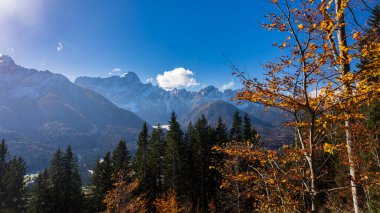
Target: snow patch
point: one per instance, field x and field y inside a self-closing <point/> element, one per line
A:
<point x="167" y="127"/>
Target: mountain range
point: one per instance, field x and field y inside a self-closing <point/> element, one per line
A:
<point x="41" y="111"/>
<point x="154" y="104"/>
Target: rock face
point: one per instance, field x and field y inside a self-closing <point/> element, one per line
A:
<point x="40" y="111"/>
<point x="151" y="102"/>
<point x="155" y="104"/>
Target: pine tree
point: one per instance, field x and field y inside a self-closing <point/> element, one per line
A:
<point x="102" y="180"/>
<point x="172" y="158"/>
<point x="220" y="138"/>
<point x="72" y="192"/>
<point x="140" y="161"/>
<point x="187" y="171"/>
<point x="220" y="132"/>
<point x="56" y="177"/>
<point x="14" y="184"/>
<point x="120" y="157"/>
<point x="155" y="163"/>
<point x="42" y="193"/>
<point x="201" y="149"/>
<point x="247" y="128"/>
<point x="236" y="130"/>
<point x="249" y="132"/>
<point x="4" y="157"/>
<point x="12" y="189"/>
<point x="372" y="36"/>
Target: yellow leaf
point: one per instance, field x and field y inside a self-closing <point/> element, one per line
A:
<point x="300" y="26"/>
<point x="329" y="148"/>
<point x="356" y="35"/>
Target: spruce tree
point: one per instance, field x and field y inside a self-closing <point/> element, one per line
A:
<point x="249" y="132"/>
<point x="155" y="164"/>
<point x="247" y="128"/>
<point x="120" y="157"/>
<point x="57" y="181"/>
<point x="4" y="157"/>
<point x="102" y="180"/>
<point x="12" y="189"/>
<point x="172" y="158"/>
<point x="220" y="137"/>
<point x="372" y="34"/>
<point x="140" y="161"/>
<point x="187" y="172"/>
<point x="42" y="193"/>
<point x="236" y="130"/>
<point x="220" y="132"/>
<point x="204" y="187"/>
<point x="72" y="192"/>
<point x="13" y="181"/>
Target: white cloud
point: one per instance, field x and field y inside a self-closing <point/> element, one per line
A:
<point x="59" y="47"/>
<point x="228" y="86"/>
<point x="11" y="50"/>
<point x="178" y="77"/>
<point x="116" y="71"/>
<point x="150" y="80"/>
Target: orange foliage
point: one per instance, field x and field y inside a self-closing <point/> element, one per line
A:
<point x="314" y="83"/>
<point x="121" y="198"/>
<point x="168" y="203"/>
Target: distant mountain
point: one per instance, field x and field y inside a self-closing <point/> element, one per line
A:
<point x="40" y="111"/>
<point x="272" y="132"/>
<point x="150" y="102"/>
<point x="155" y="104"/>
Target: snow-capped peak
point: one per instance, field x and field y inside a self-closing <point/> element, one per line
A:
<point x="130" y="77"/>
<point x="6" y="61"/>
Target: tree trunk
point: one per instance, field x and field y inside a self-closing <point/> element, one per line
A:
<point x="345" y="68"/>
<point x="314" y="199"/>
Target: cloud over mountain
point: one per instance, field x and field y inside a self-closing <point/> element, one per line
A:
<point x="178" y="77"/>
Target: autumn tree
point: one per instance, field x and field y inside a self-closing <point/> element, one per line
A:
<point x="314" y="81"/>
<point x="121" y="198"/>
<point x="169" y="203"/>
<point x="268" y="184"/>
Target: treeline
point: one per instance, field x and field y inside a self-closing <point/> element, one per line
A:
<point x="12" y="189"/>
<point x="172" y="170"/>
<point x="202" y="169"/>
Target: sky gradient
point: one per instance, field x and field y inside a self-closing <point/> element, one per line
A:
<point x="93" y="37"/>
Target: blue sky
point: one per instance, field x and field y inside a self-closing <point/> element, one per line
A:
<point x="149" y="37"/>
